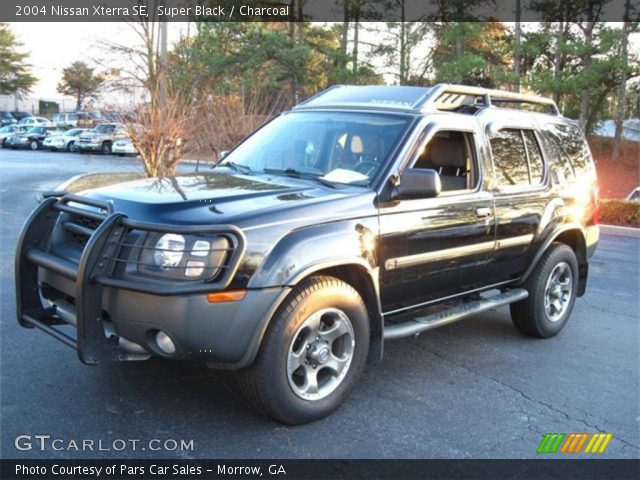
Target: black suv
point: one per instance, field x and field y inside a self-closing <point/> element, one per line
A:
<point x="362" y="215"/>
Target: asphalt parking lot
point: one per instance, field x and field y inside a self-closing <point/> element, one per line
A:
<point x="475" y="389"/>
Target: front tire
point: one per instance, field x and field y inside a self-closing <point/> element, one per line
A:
<point x="34" y="145"/>
<point x="106" y="148"/>
<point x="553" y="288"/>
<point x="312" y="354"/>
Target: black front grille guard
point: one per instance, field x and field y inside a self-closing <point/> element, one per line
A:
<point x="94" y="270"/>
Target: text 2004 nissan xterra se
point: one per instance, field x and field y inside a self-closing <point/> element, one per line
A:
<point x="362" y="215"/>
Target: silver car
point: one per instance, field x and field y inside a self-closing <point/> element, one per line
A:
<point x="34" y="121"/>
<point x="124" y="147"/>
<point x="67" y="141"/>
<point x="101" y="138"/>
<point x="11" y="130"/>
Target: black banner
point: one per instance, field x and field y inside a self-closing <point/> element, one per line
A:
<point x="311" y="10"/>
<point x="320" y="469"/>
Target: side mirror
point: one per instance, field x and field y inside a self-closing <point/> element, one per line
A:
<point x="417" y="183"/>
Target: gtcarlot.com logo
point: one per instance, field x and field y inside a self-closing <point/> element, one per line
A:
<point x="574" y="443"/>
<point x="48" y="443"/>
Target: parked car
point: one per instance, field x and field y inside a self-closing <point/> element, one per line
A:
<point x="20" y="115"/>
<point x="34" y="137"/>
<point x="66" y="119"/>
<point x="65" y="141"/>
<point x="101" y="138"/>
<point x="364" y="214"/>
<point x="11" y="130"/>
<point x="6" y="119"/>
<point x="124" y="147"/>
<point x="35" y="121"/>
<point x="634" y="195"/>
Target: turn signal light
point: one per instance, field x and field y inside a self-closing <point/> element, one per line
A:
<point x="221" y="297"/>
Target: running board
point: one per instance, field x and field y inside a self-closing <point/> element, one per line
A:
<point x="453" y="314"/>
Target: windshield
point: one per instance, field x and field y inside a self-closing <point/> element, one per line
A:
<point x="38" y="130"/>
<point x="7" y="129"/>
<point x="104" y="129"/>
<point x="341" y="147"/>
<point x="74" y="132"/>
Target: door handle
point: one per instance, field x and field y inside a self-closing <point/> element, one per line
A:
<point x="483" y="212"/>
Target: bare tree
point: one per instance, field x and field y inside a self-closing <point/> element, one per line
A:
<point x="159" y="130"/>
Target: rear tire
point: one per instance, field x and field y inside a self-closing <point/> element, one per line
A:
<point x="302" y="372"/>
<point x="553" y="287"/>
<point x="34" y="145"/>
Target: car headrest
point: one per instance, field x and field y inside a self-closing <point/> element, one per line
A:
<point x="447" y="152"/>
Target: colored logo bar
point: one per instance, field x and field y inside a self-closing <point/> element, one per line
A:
<point x="574" y="443"/>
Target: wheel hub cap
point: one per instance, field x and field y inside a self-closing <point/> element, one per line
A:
<point x="320" y="354"/>
<point x="558" y="291"/>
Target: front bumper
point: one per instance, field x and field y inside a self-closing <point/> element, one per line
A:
<point x="93" y="147"/>
<point x="118" y="319"/>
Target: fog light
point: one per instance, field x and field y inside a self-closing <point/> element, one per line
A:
<point x="164" y="343"/>
<point x="194" y="269"/>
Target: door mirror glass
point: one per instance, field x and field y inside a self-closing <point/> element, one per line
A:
<point x="417" y="183"/>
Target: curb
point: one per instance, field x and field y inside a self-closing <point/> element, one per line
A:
<point x="620" y="231"/>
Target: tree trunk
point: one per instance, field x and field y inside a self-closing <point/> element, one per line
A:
<point x="516" y="49"/>
<point x="403" y="50"/>
<point x="557" y="64"/>
<point x="345" y="33"/>
<point x="622" y="87"/>
<point x="586" y="62"/>
<point x="356" y="40"/>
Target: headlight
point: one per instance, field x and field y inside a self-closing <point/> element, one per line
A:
<point x="169" y="251"/>
<point x="183" y="257"/>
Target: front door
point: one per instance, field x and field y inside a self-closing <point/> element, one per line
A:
<point x="439" y="247"/>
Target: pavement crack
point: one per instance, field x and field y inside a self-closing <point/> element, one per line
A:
<point x="524" y="395"/>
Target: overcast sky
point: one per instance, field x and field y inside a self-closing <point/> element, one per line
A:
<point x="53" y="46"/>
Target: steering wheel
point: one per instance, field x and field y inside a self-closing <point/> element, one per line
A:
<point x="366" y="167"/>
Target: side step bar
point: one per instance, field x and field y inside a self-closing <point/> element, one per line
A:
<point x="458" y="312"/>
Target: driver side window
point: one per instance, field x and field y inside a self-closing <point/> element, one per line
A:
<point x="452" y="154"/>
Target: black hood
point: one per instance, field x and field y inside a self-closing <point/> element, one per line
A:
<point x="220" y="197"/>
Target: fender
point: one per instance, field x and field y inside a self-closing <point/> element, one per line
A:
<point x="581" y="247"/>
<point x="347" y="251"/>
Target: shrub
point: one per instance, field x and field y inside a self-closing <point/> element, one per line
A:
<point x="619" y="212"/>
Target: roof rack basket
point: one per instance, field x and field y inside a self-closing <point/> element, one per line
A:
<point x="444" y="96"/>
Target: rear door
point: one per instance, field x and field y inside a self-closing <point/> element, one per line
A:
<point x="438" y="247"/>
<point x="521" y="194"/>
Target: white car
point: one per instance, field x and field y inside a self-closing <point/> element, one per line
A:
<point x="634" y="195"/>
<point x="124" y="147"/>
<point x="34" y="121"/>
<point x="11" y="130"/>
<point x="66" y="141"/>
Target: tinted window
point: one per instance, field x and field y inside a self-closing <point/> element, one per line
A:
<point x="509" y="158"/>
<point x="569" y="149"/>
<point x="536" y="165"/>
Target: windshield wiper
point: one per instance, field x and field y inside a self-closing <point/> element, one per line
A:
<point x="236" y="166"/>
<point x="292" y="172"/>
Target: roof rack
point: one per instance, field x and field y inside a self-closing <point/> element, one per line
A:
<point x="445" y="96"/>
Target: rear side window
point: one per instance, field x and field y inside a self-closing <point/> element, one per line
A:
<point x="517" y="158"/>
<point x="509" y="158"/>
<point x="569" y="148"/>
